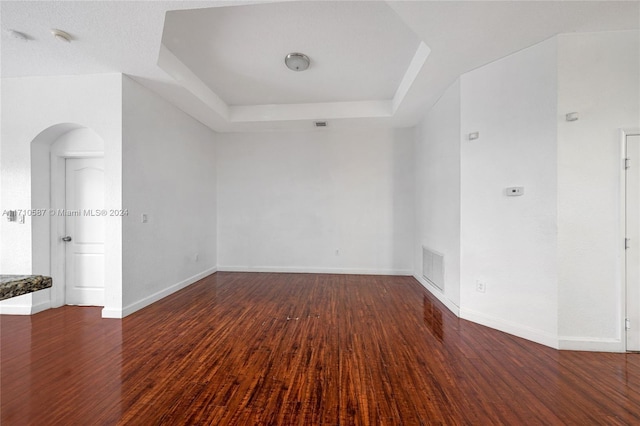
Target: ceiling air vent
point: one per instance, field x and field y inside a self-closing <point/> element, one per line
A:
<point x="321" y="124"/>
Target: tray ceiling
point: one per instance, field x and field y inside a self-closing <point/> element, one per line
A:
<point x="374" y="63"/>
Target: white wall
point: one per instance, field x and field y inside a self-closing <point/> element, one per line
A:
<point x="551" y="259"/>
<point x="169" y="173"/>
<point x="598" y="77"/>
<point x="45" y="107"/>
<point x="317" y="201"/>
<point x="510" y="242"/>
<point x="437" y="177"/>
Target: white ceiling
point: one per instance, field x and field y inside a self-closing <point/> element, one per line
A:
<point x="359" y="51"/>
<point x="223" y="63"/>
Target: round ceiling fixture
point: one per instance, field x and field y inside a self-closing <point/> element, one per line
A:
<point x="297" y="61"/>
<point x="61" y="35"/>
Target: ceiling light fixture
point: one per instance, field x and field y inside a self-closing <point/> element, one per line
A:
<point x="297" y="61"/>
<point x="61" y="35"/>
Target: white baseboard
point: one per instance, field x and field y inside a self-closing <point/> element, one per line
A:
<point x="39" y="307"/>
<point x="534" y="335"/>
<point x="27" y="307"/>
<point x="528" y="333"/>
<point x="591" y="344"/>
<point x="111" y="313"/>
<point x="108" y="312"/>
<point x="302" y="270"/>
<point x="438" y="294"/>
<point x="15" y="310"/>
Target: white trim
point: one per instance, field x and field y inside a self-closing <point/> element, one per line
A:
<point x="39" y="307"/>
<point x="519" y="330"/>
<point x="25" y="309"/>
<point x="303" y="270"/>
<point x="591" y="344"/>
<point x="142" y="303"/>
<point x="59" y="152"/>
<point x="439" y="295"/>
<point x="15" y="309"/>
<point x="623" y="234"/>
<point x="326" y="110"/>
<point x="111" y="313"/>
<point x="56" y="229"/>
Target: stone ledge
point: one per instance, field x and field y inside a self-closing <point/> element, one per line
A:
<point x="17" y="285"/>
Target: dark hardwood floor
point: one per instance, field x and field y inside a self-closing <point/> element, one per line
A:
<point x="299" y="349"/>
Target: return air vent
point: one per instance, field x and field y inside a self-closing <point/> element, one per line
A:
<point x="321" y="124"/>
<point x="433" y="267"/>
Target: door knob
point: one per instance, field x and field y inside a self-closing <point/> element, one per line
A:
<point x="66" y="239"/>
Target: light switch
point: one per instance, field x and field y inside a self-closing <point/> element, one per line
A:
<point x="572" y="116"/>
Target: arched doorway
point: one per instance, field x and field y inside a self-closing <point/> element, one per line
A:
<point x="52" y="152"/>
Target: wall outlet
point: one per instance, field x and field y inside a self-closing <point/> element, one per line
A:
<point x="144" y="218"/>
<point x="515" y="191"/>
<point x="481" y="286"/>
<point x="196" y="257"/>
<point x="337" y="252"/>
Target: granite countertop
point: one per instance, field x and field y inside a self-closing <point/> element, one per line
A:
<point x="16" y="285"/>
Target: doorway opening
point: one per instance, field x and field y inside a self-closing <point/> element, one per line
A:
<point x="81" y="265"/>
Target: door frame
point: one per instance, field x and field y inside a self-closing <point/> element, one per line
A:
<point x="59" y="155"/>
<point x="623" y="227"/>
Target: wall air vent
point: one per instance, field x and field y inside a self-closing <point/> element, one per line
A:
<point x="433" y="267"/>
<point x="321" y="124"/>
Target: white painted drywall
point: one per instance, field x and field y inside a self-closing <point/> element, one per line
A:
<point x="169" y="174"/>
<point x="510" y="242"/>
<point x="317" y="201"/>
<point x="437" y="177"/>
<point x="46" y="107"/>
<point x="598" y="77"/>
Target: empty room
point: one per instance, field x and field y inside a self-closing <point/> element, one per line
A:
<point x="319" y="212"/>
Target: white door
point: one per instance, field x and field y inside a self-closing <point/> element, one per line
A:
<point x="84" y="230"/>
<point x="632" y="215"/>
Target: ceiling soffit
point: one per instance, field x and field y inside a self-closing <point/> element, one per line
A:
<point x="364" y="60"/>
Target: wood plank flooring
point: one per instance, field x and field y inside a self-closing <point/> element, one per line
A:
<point x="299" y="349"/>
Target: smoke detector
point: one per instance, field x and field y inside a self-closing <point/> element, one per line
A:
<point x="61" y="35"/>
